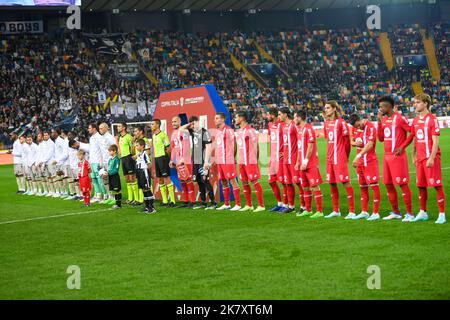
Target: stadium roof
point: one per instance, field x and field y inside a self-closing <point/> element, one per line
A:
<point x="227" y="5"/>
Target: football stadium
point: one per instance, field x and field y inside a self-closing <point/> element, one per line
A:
<point x="224" y="150"/>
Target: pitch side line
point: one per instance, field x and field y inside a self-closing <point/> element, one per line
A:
<point x="55" y="216"/>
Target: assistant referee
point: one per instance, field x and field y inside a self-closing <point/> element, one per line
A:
<point x="161" y="151"/>
<point x="128" y="163"/>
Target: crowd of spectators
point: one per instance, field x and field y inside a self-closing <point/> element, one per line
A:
<point x="38" y="70"/>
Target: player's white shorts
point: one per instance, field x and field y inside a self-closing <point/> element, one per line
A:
<point x="50" y="170"/>
<point x="37" y="171"/>
<point x="66" y="171"/>
<point x="18" y="169"/>
<point x="29" y="172"/>
<point x="73" y="173"/>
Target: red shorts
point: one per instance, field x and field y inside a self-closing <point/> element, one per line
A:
<point x="291" y="175"/>
<point x="249" y="172"/>
<point x="310" y="177"/>
<point x="429" y="177"/>
<point x="395" y="169"/>
<point x="226" y="171"/>
<point x="184" y="172"/>
<point x="368" y="175"/>
<point x="85" y="184"/>
<point x="337" y="173"/>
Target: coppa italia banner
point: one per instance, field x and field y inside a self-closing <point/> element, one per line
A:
<point x="14" y="27"/>
<point x="201" y="101"/>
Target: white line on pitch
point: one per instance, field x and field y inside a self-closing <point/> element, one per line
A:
<point x="54" y="216"/>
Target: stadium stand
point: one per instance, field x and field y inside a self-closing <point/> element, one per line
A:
<point x="347" y="65"/>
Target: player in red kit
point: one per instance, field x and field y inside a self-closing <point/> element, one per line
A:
<point x="364" y="138"/>
<point x="276" y="162"/>
<point x="84" y="177"/>
<point x="427" y="157"/>
<point x="338" y="142"/>
<point x="291" y="175"/>
<point x="248" y="153"/>
<point x="308" y="166"/>
<point x="224" y="152"/>
<point x="181" y="160"/>
<point x="392" y="130"/>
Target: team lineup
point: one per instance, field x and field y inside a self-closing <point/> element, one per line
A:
<point x="58" y="165"/>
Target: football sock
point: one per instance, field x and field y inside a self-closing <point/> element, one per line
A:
<point x="319" y="200"/>
<point x="118" y="198"/>
<point x="210" y="189"/>
<point x="307" y="195"/>
<point x="202" y="189"/>
<point x="148" y="199"/>
<point x="301" y="195"/>
<point x="335" y="197"/>
<point x="248" y="194"/>
<point x="95" y="184"/>
<point x="171" y="192"/>
<point x="191" y="191"/>
<point x="101" y="185"/>
<point x="163" y="190"/>
<point x="87" y="198"/>
<point x="130" y="191"/>
<point x="423" y="197"/>
<point x="276" y="190"/>
<point x="226" y="196"/>
<point x="259" y="193"/>
<point x="291" y="195"/>
<point x="393" y="199"/>
<point x="184" y="192"/>
<point x="407" y="197"/>
<point x="364" y="199"/>
<point x="141" y="196"/>
<point x="135" y="188"/>
<point x="285" y="194"/>
<point x="376" y="198"/>
<point x="351" y="198"/>
<point x="440" y="199"/>
<point x="237" y="196"/>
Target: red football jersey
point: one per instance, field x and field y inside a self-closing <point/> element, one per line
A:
<point x="336" y="133"/>
<point x="276" y="140"/>
<point x="247" y="145"/>
<point x="83" y="169"/>
<point x="368" y="134"/>
<point x="423" y="130"/>
<point x="181" y="146"/>
<point x="224" y="145"/>
<point x="290" y="143"/>
<point x="307" y="135"/>
<point x="393" y="132"/>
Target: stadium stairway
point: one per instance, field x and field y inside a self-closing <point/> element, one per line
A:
<point x="386" y="50"/>
<point x="268" y="57"/>
<point x="433" y="64"/>
<point x="240" y="67"/>
<point x="417" y="87"/>
<point x="147" y="73"/>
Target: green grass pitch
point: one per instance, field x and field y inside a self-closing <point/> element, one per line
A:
<point x="181" y="254"/>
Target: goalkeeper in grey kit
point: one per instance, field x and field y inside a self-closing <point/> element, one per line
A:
<point x="201" y="153"/>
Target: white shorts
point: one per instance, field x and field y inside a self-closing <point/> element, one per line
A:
<point x="50" y="170"/>
<point x="73" y="173"/>
<point x="37" y="171"/>
<point x="29" y="172"/>
<point x="18" y="169"/>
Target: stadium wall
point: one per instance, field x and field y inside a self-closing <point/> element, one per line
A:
<point x="423" y="13"/>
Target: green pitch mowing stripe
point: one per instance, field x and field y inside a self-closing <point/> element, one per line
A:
<point x="190" y="254"/>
